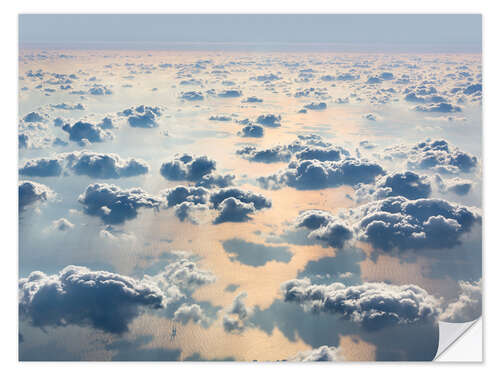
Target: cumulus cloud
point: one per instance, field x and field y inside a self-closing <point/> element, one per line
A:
<point x="88" y="163"/>
<point x="269" y="120"/>
<point x="271" y="155"/>
<point x="182" y="276"/>
<point x="323" y="353"/>
<point x="78" y="296"/>
<point x="252" y="131"/>
<point x="468" y="306"/>
<point x="406" y="184"/>
<point x="372" y="305"/>
<point x="400" y="223"/>
<point x="229" y="94"/>
<point x="438" y="108"/>
<point x="62" y="224"/>
<point x="436" y="155"/>
<point x="235" y="205"/>
<point x="189" y="312"/>
<point x="325" y="227"/>
<point x="142" y="116"/>
<point x="258" y="200"/>
<point x="316" y="106"/>
<point x="85" y="131"/>
<point x="192" y="96"/>
<point x="315" y="174"/>
<point x="32" y="192"/>
<point x="455" y="185"/>
<point x="185" y="167"/>
<point x="235" y="319"/>
<point x="233" y="210"/>
<point x="114" y="205"/>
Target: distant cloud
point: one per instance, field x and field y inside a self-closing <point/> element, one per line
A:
<point x="438" y="108"/>
<point x="252" y="131"/>
<point x="62" y="224"/>
<point x="455" y="185"/>
<point x="229" y="94"/>
<point x="192" y="96"/>
<point x="142" y="116"/>
<point x="270" y="120"/>
<point x="235" y="319"/>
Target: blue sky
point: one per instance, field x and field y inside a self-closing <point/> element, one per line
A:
<point x="419" y="32"/>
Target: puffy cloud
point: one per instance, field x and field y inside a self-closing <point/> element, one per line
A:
<point x="271" y="155"/>
<point x="99" y="90"/>
<point x="31" y="192"/>
<point x="372" y="305"/>
<point x="258" y="200"/>
<point x="78" y="296"/>
<point x="399" y="223"/>
<point x="192" y="96"/>
<point x="62" y="224"/>
<point x="438" y="108"/>
<point x="332" y="153"/>
<point x="325" y="227"/>
<point x="92" y="164"/>
<point x="187" y="312"/>
<point x="23" y="140"/>
<point x="68" y="107"/>
<point x="113" y="205"/>
<point x="473" y="89"/>
<point x="180" y="194"/>
<point x="81" y="131"/>
<point x="455" y="185"/>
<point x="315" y="174"/>
<point x="252" y="131"/>
<point x="269" y="120"/>
<point x="316" y="106"/>
<point x="220" y="118"/>
<point x="142" y="116"/>
<point x="230" y="94"/>
<point x="105" y="166"/>
<point x="408" y="184"/>
<point x="323" y="353"/>
<point x="182" y="274"/>
<point x="253" y="99"/>
<point x="233" y="210"/>
<point x="235" y="320"/>
<point x="33" y="117"/>
<point x="437" y="155"/>
<point x="42" y="167"/>
<point x="186" y="167"/>
<point x="468" y="306"/>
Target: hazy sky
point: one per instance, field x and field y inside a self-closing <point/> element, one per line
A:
<point x="444" y="32"/>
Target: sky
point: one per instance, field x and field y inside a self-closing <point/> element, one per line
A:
<point x="244" y="204"/>
<point x="431" y="32"/>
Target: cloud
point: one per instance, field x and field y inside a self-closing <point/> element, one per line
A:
<point x="220" y="118"/>
<point x="32" y="192"/>
<point x="68" y="107"/>
<point x="33" y="117"/>
<point x="315" y="174"/>
<point x="88" y="163"/>
<point x="323" y="353"/>
<point x="229" y="94"/>
<point x="325" y="227"/>
<point x="235" y="320"/>
<point x="258" y="200"/>
<point x="81" y="131"/>
<point x="192" y="96"/>
<point x="316" y="106"/>
<point x="455" y="185"/>
<point x="332" y="153"/>
<point x="78" y="296"/>
<point x="468" y="306"/>
<point x="253" y="131"/>
<point x="42" y="167"/>
<point x="372" y="305"/>
<point x="189" y="312"/>
<point x="438" y="108"/>
<point x="186" y="167"/>
<point x="274" y="154"/>
<point x="436" y="155"/>
<point x="233" y="210"/>
<point x="269" y="120"/>
<point x="114" y="205"/>
<point x="406" y="184"/>
<point x="399" y="223"/>
<point x="253" y="99"/>
<point x="142" y="116"/>
<point x="99" y="90"/>
<point x="62" y="224"/>
<point x="183" y="274"/>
